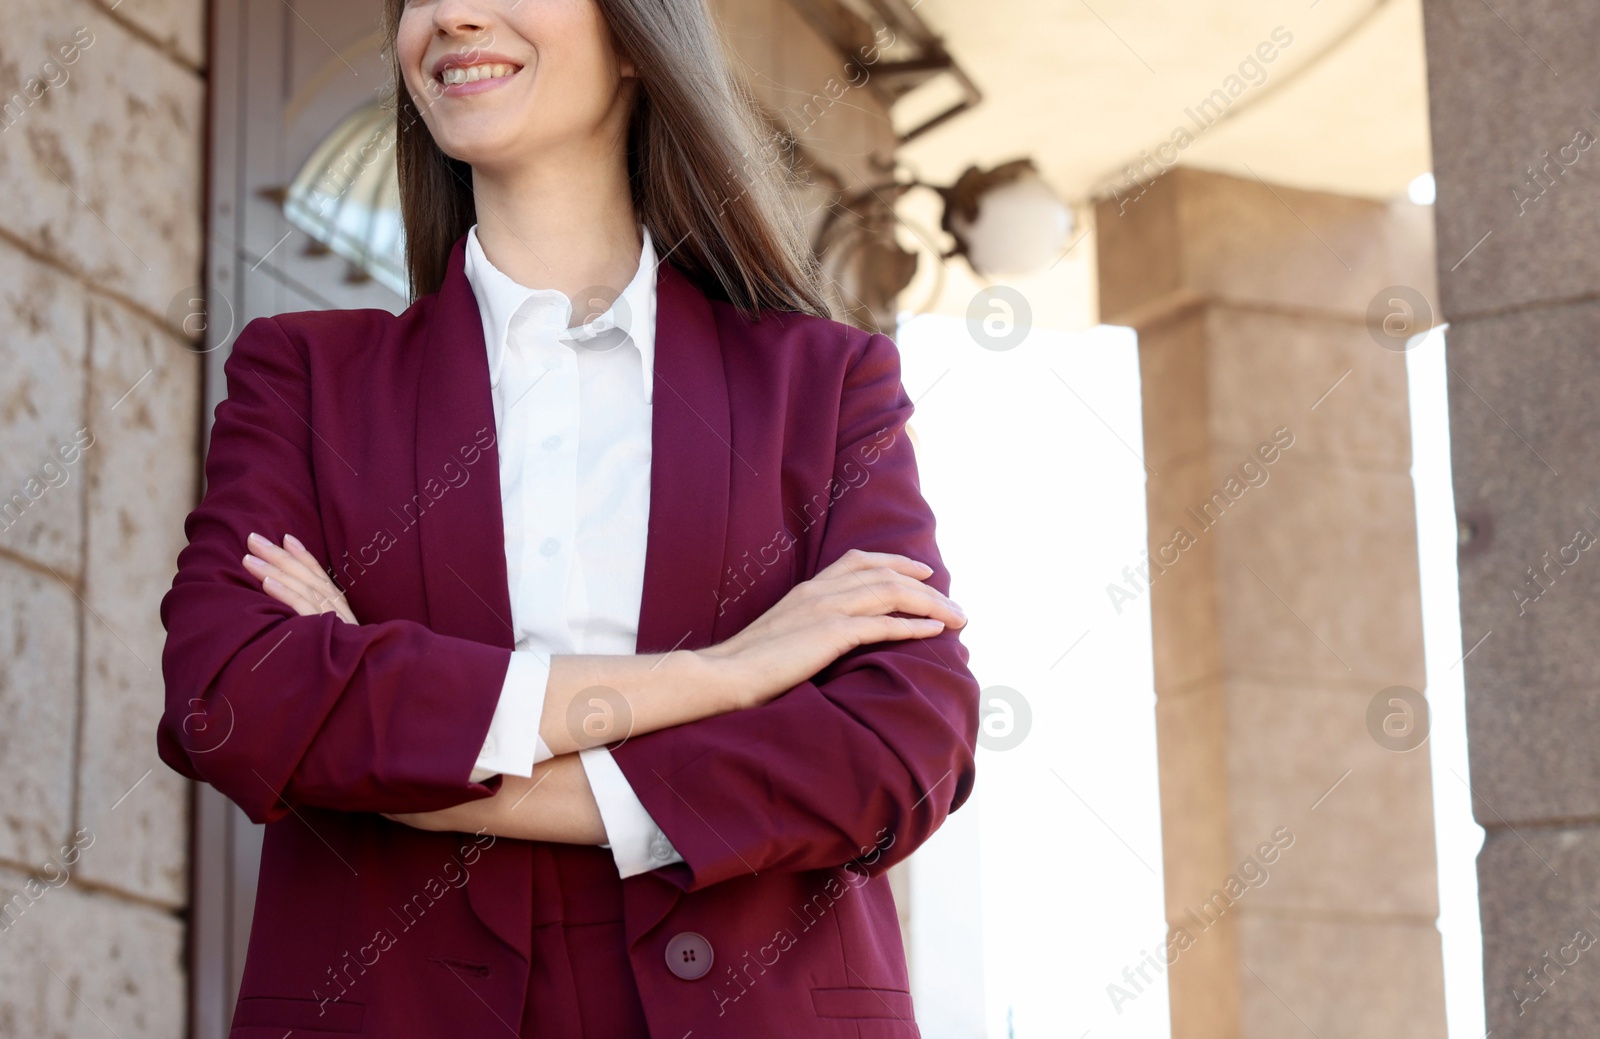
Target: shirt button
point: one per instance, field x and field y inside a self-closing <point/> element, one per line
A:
<point x="660" y="848"/>
<point x="488" y="747"/>
<point x="688" y="955"/>
<point x="552" y="442"/>
<point x="549" y="546"/>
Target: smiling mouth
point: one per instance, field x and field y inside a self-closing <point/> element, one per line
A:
<point x="458" y="74"/>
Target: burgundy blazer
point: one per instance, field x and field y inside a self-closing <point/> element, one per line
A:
<point x="778" y="445"/>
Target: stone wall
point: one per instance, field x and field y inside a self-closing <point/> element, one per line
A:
<point x="100" y="234"/>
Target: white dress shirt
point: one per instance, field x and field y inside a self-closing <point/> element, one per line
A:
<point x="572" y="415"/>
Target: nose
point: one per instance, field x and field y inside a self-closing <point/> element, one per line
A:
<point x="461" y="18"/>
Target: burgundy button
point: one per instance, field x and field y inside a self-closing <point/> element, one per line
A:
<point x="688" y="955"/>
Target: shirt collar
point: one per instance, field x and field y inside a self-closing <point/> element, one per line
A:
<point x="500" y="298"/>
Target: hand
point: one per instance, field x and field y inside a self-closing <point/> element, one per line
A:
<point x="479" y="816"/>
<point x="293" y="576"/>
<point x="855" y="601"/>
<point x="485" y="814"/>
<point x="554" y="804"/>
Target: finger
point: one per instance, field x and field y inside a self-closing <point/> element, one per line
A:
<point x="864" y="631"/>
<point x="943" y="607"/>
<point x="886" y="577"/>
<point x="292" y="565"/>
<point x="893" y="592"/>
<point x="320" y="583"/>
<point x="889" y="629"/>
<point x="317" y="578"/>
<point x="302" y="572"/>
<point x="289" y="597"/>
<point x="861" y="559"/>
<point x="263" y="569"/>
<point x="302" y="555"/>
<point x="267" y="549"/>
<point x="288" y="590"/>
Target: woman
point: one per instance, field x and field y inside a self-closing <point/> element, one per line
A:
<point x="639" y="779"/>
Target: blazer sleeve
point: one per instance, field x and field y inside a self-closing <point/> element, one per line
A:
<point x="275" y="709"/>
<point x="862" y="762"/>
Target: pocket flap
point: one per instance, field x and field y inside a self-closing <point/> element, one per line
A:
<point x="309" y="1014"/>
<point x="862" y="1002"/>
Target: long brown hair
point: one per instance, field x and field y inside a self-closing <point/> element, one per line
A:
<point x="700" y="161"/>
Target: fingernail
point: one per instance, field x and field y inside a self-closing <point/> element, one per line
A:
<point x="254" y="537"/>
<point x="295" y="540"/>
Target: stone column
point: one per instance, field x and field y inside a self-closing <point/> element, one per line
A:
<point x="1296" y="799"/>
<point x="1514" y="106"/>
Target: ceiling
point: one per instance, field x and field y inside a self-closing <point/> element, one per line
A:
<point x="1343" y="107"/>
<point x="1085" y="86"/>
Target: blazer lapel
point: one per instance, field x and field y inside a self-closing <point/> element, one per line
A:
<point x="691" y="445"/>
<point x="691" y="450"/>
<point x="462" y="531"/>
<point x="463" y="547"/>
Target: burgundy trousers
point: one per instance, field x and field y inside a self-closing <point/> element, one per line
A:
<point x="580" y="983"/>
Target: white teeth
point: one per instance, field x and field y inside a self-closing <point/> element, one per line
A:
<point x="472" y="73"/>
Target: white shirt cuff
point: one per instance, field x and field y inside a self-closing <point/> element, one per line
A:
<point x="513" y="745"/>
<point x="636" y="842"/>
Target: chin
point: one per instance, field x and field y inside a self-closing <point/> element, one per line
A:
<point x="481" y="154"/>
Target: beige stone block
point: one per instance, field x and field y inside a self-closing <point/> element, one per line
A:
<point x="1192" y="753"/>
<point x="144" y="399"/>
<point x="1312" y="573"/>
<point x="1202" y="982"/>
<point x="1202" y="235"/>
<point x="1185" y="612"/>
<point x="1412" y="243"/>
<point x="1344" y="397"/>
<point x="41" y="412"/>
<point x="1224" y="378"/>
<point x="1352" y="819"/>
<point x="79" y="963"/>
<point x="1321" y="577"/>
<point x="1278" y="797"/>
<point x="109" y="152"/>
<point x="38" y="699"/>
<point x="1339" y="978"/>
<point x="176" y="25"/>
<point x="1175" y="389"/>
<point x="1141" y="271"/>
